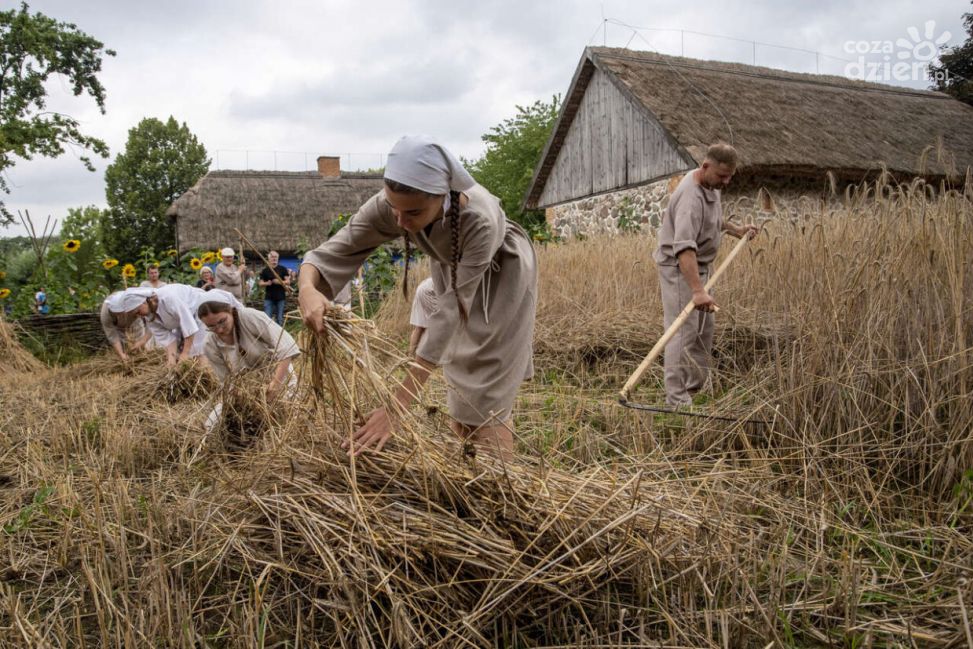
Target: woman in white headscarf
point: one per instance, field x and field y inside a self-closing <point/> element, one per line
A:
<point x="241" y="338"/>
<point x="484" y="275"/>
<point x="120" y="329"/>
<point x="171" y="315"/>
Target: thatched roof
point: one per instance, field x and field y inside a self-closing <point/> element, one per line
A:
<point x="799" y="124"/>
<point x="282" y="210"/>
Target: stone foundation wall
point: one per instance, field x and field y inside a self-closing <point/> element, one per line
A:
<point x="628" y="210"/>
<point x="641" y="208"/>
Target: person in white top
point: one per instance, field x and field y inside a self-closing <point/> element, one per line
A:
<point x="423" y="305"/>
<point x="152" y="281"/>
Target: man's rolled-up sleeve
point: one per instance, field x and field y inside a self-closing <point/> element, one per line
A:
<point x="687" y="223"/>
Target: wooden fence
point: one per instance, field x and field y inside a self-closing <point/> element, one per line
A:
<point x="84" y="329"/>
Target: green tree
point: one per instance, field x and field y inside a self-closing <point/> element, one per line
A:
<point x="32" y="49"/>
<point x="161" y="161"/>
<point x="954" y="74"/>
<point x="82" y="223"/>
<point x="514" y="148"/>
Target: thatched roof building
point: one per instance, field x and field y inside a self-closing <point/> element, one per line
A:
<point x="631" y="118"/>
<point x="281" y="210"/>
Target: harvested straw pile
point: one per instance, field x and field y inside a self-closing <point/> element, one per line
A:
<point x="348" y="367"/>
<point x="187" y="380"/>
<point x="420" y="547"/>
<point x="108" y="363"/>
<point x="611" y="529"/>
<point x="13" y="356"/>
<point x="245" y="414"/>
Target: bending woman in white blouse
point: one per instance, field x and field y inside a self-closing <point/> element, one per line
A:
<point x="171" y="315"/>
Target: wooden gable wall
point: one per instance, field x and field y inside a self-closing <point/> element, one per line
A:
<point x="612" y="143"/>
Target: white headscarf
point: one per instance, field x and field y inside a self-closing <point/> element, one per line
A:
<point x="420" y="162"/>
<point x="129" y="299"/>
<point x="114" y="305"/>
<point x="220" y="296"/>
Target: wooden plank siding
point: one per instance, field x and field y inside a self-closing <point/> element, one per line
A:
<point x="611" y="143"/>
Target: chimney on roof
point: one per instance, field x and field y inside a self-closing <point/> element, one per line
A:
<point x="329" y="166"/>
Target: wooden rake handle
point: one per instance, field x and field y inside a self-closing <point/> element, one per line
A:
<point x="674" y="327"/>
<point x="243" y="238"/>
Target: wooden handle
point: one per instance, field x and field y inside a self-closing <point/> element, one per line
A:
<point x="262" y="258"/>
<point x="674" y="327"/>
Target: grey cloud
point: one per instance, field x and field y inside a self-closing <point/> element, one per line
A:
<point x="393" y="86"/>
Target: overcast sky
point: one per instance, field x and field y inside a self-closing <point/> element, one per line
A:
<point x="340" y="77"/>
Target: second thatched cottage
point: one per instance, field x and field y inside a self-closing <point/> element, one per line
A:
<point x="633" y="122"/>
<point x="285" y="211"/>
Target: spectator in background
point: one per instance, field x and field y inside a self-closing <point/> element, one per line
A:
<point x="40" y="302"/>
<point x="152" y="281"/>
<point x="229" y="277"/>
<point x="206" y="280"/>
<point x="275" y="279"/>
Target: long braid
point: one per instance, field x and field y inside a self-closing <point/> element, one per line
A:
<point x="405" y="271"/>
<point x="454" y="252"/>
<point x="237" y="331"/>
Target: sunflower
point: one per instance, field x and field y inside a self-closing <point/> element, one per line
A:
<point x="108" y="264"/>
<point x="195" y="263"/>
<point x="171" y="252"/>
<point x="128" y="270"/>
<point x="4" y="293"/>
<point x="71" y="245"/>
<point x="219" y="255"/>
<point x="208" y="257"/>
<point x="3" y="275"/>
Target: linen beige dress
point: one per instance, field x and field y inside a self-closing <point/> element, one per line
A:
<point x="261" y="341"/>
<point x="485" y="360"/>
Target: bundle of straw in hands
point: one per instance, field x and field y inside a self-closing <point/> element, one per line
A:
<point x="349" y="368"/>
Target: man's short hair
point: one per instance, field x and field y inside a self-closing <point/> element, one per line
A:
<point x="722" y="153"/>
<point x="151" y="266"/>
<point x="273" y="252"/>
